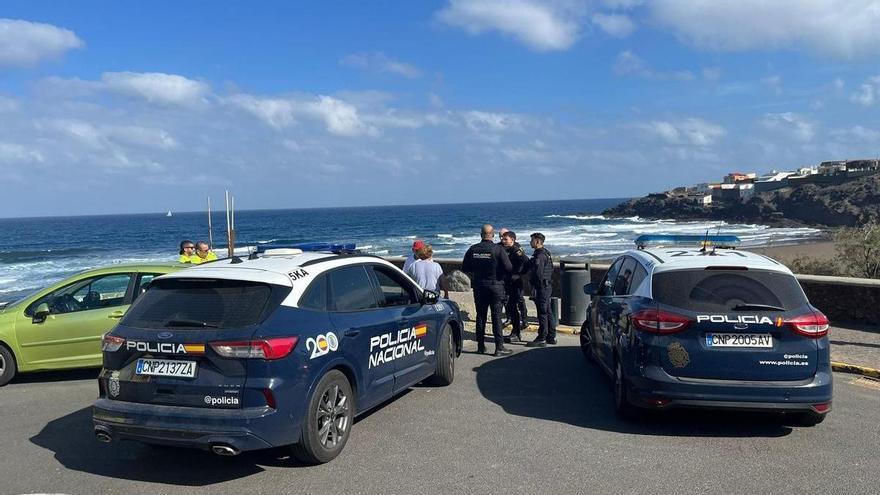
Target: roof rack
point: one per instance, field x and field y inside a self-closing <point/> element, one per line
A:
<point x="715" y="241"/>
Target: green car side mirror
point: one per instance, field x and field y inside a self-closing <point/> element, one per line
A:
<point x="41" y="313"/>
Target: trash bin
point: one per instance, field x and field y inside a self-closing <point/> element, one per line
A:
<point x="575" y="273"/>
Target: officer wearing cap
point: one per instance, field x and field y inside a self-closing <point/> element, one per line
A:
<point x="489" y="264"/>
<point x="541" y="266"/>
<point x="513" y="286"/>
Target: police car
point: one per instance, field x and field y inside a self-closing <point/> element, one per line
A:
<point x="282" y="349"/>
<point x="690" y="321"/>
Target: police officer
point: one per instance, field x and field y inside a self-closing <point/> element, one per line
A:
<point x="541" y="266"/>
<point x="489" y="264"/>
<point x="513" y="286"/>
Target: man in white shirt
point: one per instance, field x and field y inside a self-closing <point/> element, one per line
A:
<point x="418" y="244"/>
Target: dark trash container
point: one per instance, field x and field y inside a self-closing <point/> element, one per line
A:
<point x="575" y="273"/>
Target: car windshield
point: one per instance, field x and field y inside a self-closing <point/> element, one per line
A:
<point x="17" y="300"/>
<point x="728" y="290"/>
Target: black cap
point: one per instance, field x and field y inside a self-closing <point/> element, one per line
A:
<point x="538" y="235"/>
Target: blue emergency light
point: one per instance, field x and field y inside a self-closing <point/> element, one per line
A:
<point x="324" y="247"/>
<point x="656" y="240"/>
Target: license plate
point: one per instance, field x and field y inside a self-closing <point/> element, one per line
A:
<point x="761" y="340"/>
<point x="166" y="367"/>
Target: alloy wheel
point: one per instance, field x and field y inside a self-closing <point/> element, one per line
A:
<point x="332" y="417"/>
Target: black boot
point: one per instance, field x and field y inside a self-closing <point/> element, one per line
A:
<point x="538" y="342"/>
<point x="501" y="351"/>
<point x="512" y="338"/>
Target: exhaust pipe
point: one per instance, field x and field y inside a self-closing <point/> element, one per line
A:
<point x="103" y="434"/>
<point x="224" y="450"/>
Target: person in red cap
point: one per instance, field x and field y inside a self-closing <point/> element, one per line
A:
<point x="418" y="244"/>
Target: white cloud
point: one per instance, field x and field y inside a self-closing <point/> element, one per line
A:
<point x="837" y="28"/>
<point x="339" y="117"/>
<point x="867" y="93"/>
<point x="790" y="123"/>
<point x="689" y="131"/>
<point x="489" y="121"/>
<point x="156" y="87"/>
<point x="8" y="104"/>
<point x="541" y="25"/>
<point x="141" y="136"/>
<point x="24" y="43"/>
<point x="630" y="64"/>
<point x="15" y="154"/>
<point x="616" y="25"/>
<point x="380" y="63"/>
<point x="858" y="133"/>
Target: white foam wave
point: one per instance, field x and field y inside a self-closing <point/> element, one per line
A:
<point x="578" y="217"/>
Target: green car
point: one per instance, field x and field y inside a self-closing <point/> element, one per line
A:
<point x="61" y="327"/>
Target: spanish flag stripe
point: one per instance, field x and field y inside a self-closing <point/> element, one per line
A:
<point x="194" y="348"/>
<point x="421" y="330"/>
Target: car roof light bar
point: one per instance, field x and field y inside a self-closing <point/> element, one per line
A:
<point x="314" y="247"/>
<point x="657" y="240"/>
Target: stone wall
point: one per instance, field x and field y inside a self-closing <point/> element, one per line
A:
<point x="842" y="299"/>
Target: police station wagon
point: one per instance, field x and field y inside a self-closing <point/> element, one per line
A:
<point x="284" y="349"/>
<point x="708" y="327"/>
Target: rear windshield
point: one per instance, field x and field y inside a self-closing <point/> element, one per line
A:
<point x="204" y="303"/>
<point x="724" y="291"/>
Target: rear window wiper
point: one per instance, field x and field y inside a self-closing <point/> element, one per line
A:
<point x="188" y="323"/>
<point x="756" y="307"/>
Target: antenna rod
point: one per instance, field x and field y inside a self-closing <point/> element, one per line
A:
<point x="210" y="228"/>
<point x="228" y="228"/>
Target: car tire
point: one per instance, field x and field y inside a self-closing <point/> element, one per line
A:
<point x="807" y="419"/>
<point x="587" y="341"/>
<point x="8" y="367"/>
<point x="328" y="420"/>
<point x="622" y="406"/>
<point x="444" y="372"/>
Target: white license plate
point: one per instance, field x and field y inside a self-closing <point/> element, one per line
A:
<point x="760" y="340"/>
<point x="166" y="367"/>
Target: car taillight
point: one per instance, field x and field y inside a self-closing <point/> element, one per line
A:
<point x="659" y="322"/>
<point x="813" y="324"/>
<point x="269" y="349"/>
<point x="111" y="343"/>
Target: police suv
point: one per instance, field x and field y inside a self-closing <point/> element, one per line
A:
<point x="698" y="324"/>
<point x="283" y="349"/>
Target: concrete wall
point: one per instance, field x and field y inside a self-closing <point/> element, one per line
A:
<point x="842" y="299"/>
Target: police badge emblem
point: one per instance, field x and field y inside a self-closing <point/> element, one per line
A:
<point x="678" y="355"/>
<point x="113" y="385"/>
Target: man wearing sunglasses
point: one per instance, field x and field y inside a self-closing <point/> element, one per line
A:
<point x="187" y="250"/>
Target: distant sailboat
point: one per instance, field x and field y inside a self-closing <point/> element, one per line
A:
<point x="168" y="214"/>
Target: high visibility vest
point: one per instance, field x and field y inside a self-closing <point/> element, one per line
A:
<point x="196" y="259"/>
<point x="186" y="259"/>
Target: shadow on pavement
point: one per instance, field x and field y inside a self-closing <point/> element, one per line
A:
<point x="557" y="384"/>
<point x="72" y="439"/>
<point x="57" y="376"/>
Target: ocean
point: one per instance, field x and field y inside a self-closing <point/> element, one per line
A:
<point x="35" y="252"/>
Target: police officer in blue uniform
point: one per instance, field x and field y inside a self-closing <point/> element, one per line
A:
<point x="513" y="286"/>
<point x="489" y="264"/>
<point x="541" y="266"/>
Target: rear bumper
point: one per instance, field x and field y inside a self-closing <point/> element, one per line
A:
<point x="241" y="429"/>
<point x="656" y="389"/>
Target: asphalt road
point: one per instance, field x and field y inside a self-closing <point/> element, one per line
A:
<point x="539" y="421"/>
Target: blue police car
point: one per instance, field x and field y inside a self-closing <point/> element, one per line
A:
<point x="690" y="321"/>
<point x="283" y="349"/>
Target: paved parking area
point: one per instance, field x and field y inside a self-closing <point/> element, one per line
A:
<point x="538" y="421"/>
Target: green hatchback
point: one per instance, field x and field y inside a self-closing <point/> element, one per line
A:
<point x="61" y="326"/>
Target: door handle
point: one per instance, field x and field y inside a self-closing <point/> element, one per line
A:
<point x="351" y="332"/>
<point x="116" y="314"/>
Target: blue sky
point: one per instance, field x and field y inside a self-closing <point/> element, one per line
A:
<point x="112" y="107"/>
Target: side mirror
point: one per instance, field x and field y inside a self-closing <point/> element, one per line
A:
<point x="40" y="313"/>
<point x="591" y="289"/>
<point x="430" y="297"/>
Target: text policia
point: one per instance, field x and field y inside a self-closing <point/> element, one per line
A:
<point x="395" y="345"/>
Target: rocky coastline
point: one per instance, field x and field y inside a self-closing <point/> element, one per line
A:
<point x="843" y="205"/>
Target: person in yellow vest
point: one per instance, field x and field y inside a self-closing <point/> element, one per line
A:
<point x="203" y="254"/>
<point x="187" y="251"/>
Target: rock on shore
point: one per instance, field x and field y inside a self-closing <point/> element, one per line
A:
<point x="849" y="204"/>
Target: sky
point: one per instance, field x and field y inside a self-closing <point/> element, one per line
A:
<point x="128" y="107"/>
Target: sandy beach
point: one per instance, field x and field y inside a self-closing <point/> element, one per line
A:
<point x="822" y="250"/>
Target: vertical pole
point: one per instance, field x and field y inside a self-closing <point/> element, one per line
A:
<point x="210" y="227"/>
<point x="232" y="223"/>
<point x="228" y="228"/>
